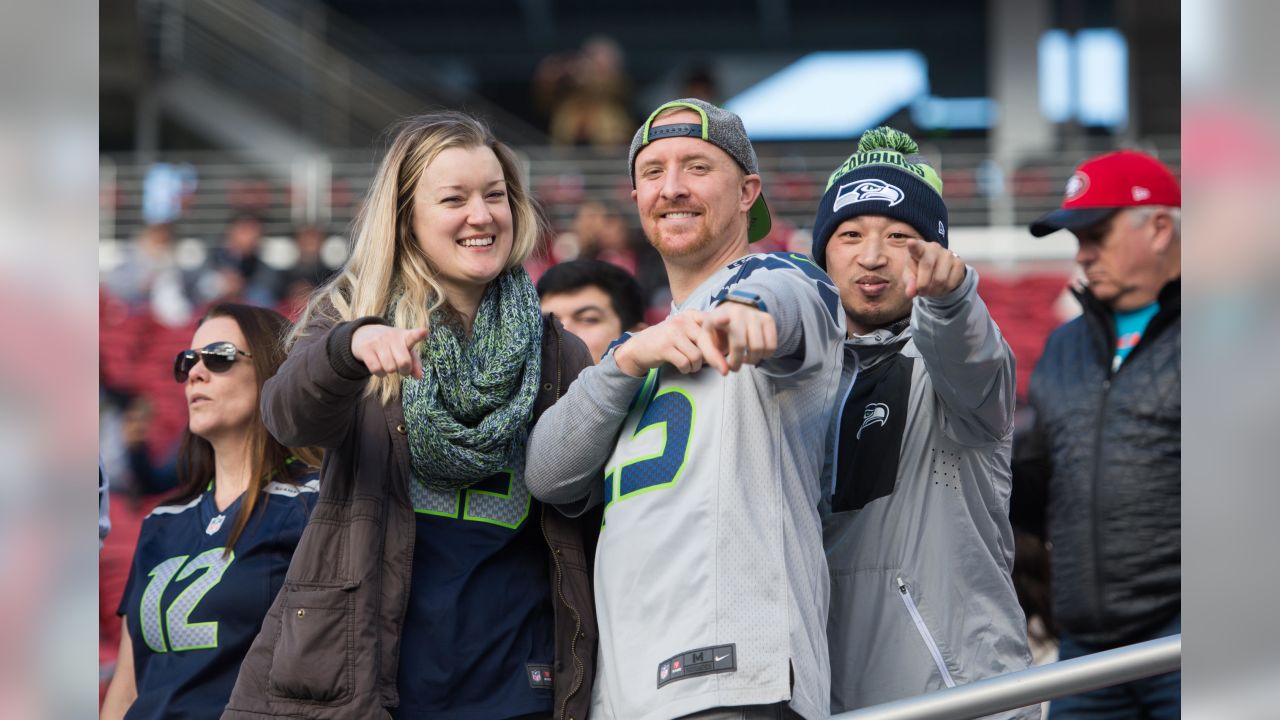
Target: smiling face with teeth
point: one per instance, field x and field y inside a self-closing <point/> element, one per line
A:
<point x="462" y="221"/>
<point x="693" y="198"/>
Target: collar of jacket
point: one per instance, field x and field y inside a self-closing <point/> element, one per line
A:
<point x="883" y="342"/>
<point x="1101" y="318"/>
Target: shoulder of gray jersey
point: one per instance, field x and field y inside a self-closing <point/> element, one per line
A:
<point x="784" y="274"/>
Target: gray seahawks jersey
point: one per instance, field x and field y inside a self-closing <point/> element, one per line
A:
<point x="711" y="583"/>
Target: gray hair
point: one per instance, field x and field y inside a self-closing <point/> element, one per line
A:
<point x="1142" y="213"/>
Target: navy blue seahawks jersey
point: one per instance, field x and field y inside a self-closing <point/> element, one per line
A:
<point x="193" y="611"/>
<point x="478" y="638"/>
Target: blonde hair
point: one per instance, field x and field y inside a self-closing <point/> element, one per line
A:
<point x="388" y="274"/>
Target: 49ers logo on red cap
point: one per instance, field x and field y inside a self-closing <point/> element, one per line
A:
<point x="1077" y="184"/>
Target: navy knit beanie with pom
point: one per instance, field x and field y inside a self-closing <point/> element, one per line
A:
<point x="886" y="177"/>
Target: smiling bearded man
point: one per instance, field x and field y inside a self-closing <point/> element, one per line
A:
<point x="696" y="436"/>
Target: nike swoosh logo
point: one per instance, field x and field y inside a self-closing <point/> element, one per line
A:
<point x="718" y="659"/>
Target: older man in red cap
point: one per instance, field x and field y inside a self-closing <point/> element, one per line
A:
<point x="1107" y="437"/>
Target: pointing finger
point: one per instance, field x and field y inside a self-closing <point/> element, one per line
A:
<point x="925" y="272"/>
<point x="415" y="336"/>
<point x="710" y="352"/>
<point x="689" y="355"/>
<point x="916" y="247"/>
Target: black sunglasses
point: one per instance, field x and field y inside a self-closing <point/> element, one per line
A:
<point x="218" y="357"/>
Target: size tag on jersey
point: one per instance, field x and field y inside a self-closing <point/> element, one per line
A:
<point x="703" y="661"/>
<point x="539" y="676"/>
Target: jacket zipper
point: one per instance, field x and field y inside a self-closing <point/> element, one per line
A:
<point x="1093" y="500"/>
<point x="905" y="594"/>
<point x="835" y="444"/>
<point x="579" y="670"/>
<point x="1096" y="314"/>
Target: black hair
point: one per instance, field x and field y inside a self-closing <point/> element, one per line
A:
<point x="623" y="290"/>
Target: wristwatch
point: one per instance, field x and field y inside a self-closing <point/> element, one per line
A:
<point x="746" y="298"/>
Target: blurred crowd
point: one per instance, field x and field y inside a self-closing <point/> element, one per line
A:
<point x="600" y="276"/>
<point x="149" y="302"/>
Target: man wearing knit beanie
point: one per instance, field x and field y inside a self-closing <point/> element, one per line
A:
<point x="917" y="478"/>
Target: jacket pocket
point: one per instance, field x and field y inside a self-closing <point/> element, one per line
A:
<point x="904" y="591"/>
<point x="312" y="657"/>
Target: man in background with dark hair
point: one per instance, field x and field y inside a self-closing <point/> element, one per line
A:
<point x="596" y="301"/>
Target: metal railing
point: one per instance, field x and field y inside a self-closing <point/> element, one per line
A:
<point x="326" y="188"/>
<point x="1033" y="685"/>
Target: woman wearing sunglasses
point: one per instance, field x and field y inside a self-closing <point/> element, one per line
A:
<point x="210" y="561"/>
<point x="430" y="584"/>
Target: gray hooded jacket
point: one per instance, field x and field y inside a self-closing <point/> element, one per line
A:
<point x="919" y="544"/>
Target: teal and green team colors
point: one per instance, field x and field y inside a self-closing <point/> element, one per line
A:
<point x="711" y="586"/>
<point x="478" y="637"/>
<point x="193" y="607"/>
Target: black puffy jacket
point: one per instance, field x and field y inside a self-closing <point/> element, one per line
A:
<point x="1109" y="447"/>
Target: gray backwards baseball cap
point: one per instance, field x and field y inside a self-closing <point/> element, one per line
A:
<point x="720" y="128"/>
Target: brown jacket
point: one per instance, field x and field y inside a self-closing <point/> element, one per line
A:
<point x="330" y="644"/>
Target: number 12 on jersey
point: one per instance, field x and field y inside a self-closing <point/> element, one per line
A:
<point x="669" y="414"/>
<point x="175" y="621"/>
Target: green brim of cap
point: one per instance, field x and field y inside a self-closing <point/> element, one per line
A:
<point x="759" y="222"/>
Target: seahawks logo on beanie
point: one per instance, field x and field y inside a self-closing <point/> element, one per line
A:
<point x="867" y="190"/>
<point x="884" y="176"/>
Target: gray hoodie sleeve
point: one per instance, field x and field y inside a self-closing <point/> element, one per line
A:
<point x="574" y="438"/>
<point x="968" y="361"/>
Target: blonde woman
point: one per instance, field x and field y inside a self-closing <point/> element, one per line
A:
<point x="429" y="583"/>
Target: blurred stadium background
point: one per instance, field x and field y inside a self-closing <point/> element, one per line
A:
<point x="238" y="137"/>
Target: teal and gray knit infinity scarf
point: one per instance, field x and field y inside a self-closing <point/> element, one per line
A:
<point x="469" y="414"/>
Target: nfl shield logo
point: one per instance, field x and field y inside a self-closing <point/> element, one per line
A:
<point x="214" y="525"/>
<point x="537" y="675"/>
<point x="664" y="671"/>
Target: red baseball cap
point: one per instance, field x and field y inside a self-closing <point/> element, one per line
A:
<point x="1102" y="185"/>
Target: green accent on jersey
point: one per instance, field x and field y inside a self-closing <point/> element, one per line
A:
<point x="214" y="565"/>
<point x="802" y="258"/>
<point x="642" y="396"/>
<point x="684" y="458"/>
<point x="450" y="513"/>
<point x="151" y="619"/>
<point x="615" y="476"/>
<point x="508" y="496"/>
<point x="458" y="505"/>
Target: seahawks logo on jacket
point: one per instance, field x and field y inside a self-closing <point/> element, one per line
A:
<point x="873" y="414"/>
<point x="870" y="434"/>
